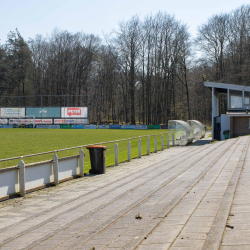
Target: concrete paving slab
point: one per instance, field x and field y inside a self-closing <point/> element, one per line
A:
<point x="168" y="200"/>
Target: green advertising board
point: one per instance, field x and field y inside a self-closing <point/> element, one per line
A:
<point x="154" y="126"/>
<point x="44" y="112"/>
<point x="65" y="126"/>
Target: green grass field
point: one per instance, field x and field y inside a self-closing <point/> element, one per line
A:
<point x="20" y="142"/>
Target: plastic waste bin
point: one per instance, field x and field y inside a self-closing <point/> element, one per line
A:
<point x="226" y="133"/>
<point x="97" y="158"/>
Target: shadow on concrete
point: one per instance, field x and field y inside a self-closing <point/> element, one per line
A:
<point x="200" y="142"/>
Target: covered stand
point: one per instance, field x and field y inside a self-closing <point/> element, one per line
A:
<point x="198" y="129"/>
<point x="183" y="132"/>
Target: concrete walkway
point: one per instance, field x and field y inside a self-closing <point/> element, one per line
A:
<point x="193" y="197"/>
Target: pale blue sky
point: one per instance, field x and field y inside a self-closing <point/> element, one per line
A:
<point x="33" y="17"/>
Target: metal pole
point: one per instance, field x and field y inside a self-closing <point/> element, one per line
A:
<point x="162" y="143"/>
<point x="22" y="178"/>
<point x="55" y="168"/>
<point x="139" y="148"/>
<point x="81" y="162"/>
<point x="155" y="144"/>
<point x="148" y="146"/>
<point x="173" y="139"/>
<point x="168" y="140"/>
<point x="116" y="155"/>
<point x="129" y="151"/>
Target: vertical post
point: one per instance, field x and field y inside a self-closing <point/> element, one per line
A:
<point x="55" y="169"/>
<point x="139" y="148"/>
<point x="162" y="143"/>
<point x="148" y="146"/>
<point x="155" y="144"/>
<point x="81" y="162"/>
<point x="129" y="151"/>
<point x="116" y="155"/>
<point x="173" y="138"/>
<point x="22" y="178"/>
<point x="168" y="140"/>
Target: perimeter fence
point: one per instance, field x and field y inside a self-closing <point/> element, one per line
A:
<point x="36" y="171"/>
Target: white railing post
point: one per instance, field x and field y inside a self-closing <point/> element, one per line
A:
<point x="129" y="151"/>
<point x="173" y="139"/>
<point x="81" y="162"/>
<point x="155" y="144"/>
<point x="22" y="178"/>
<point x="55" y="169"/>
<point x="168" y="140"/>
<point x="116" y="155"/>
<point x="139" y="148"/>
<point x="148" y="146"/>
<point x="162" y="143"/>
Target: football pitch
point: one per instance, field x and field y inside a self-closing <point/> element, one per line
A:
<point x="20" y="142"/>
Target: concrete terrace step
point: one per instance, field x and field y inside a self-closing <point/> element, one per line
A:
<point x="178" y="198"/>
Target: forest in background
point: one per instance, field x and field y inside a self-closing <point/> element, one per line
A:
<point x="148" y="71"/>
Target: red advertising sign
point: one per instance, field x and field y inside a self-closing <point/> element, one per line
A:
<point x="74" y="111"/>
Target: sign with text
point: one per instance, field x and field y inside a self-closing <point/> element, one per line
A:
<point x="20" y="121"/>
<point x="12" y="112"/>
<point x="3" y="121"/>
<point x="43" y="121"/>
<point x="74" y="112"/>
<point x="44" y="112"/>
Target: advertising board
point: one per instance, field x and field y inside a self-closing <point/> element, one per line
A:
<point x="44" y="112"/>
<point x="65" y="121"/>
<point x="164" y="126"/>
<point x="29" y="126"/>
<point x="43" y="121"/>
<point x="12" y="112"/>
<point x="3" y="121"/>
<point x="74" y="112"/>
<point x="6" y="126"/>
<point x="54" y="126"/>
<point x="65" y="126"/>
<point x="82" y="121"/>
<point x="42" y="126"/>
<point x="128" y="126"/>
<point x="59" y="121"/>
<point x="78" y="126"/>
<point x="90" y="126"/>
<point x="154" y="127"/>
<point x="141" y="127"/>
<point x="103" y="126"/>
<point x="20" y="121"/>
<point x="115" y="126"/>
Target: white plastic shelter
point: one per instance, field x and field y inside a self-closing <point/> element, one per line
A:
<point x="182" y="130"/>
<point x="198" y="129"/>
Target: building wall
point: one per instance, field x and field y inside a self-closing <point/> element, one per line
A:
<point x="231" y="127"/>
<point x="240" y="126"/>
<point x="225" y="125"/>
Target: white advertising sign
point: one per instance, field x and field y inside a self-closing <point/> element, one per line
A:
<point x="43" y="121"/>
<point x="74" y="112"/>
<point x="82" y="121"/>
<point x="20" y="121"/>
<point x="59" y="121"/>
<point x="12" y="112"/>
<point x="3" y="121"/>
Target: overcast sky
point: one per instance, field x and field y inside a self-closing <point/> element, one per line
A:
<point x="33" y="17"/>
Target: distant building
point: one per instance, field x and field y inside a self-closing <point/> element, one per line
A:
<point x="237" y="118"/>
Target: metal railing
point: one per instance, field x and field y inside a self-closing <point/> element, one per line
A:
<point x="82" y="146"/>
